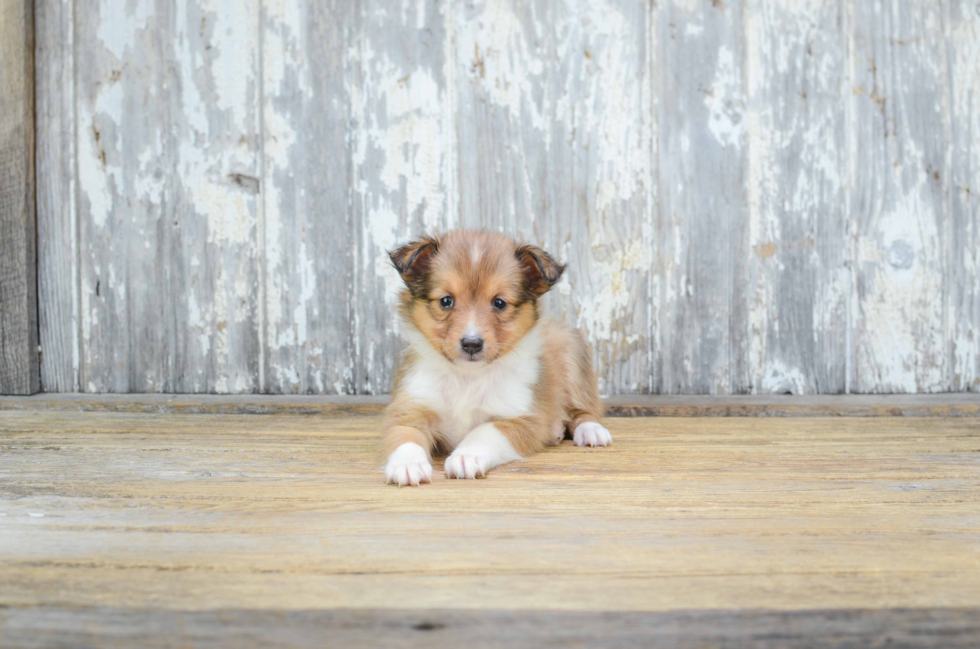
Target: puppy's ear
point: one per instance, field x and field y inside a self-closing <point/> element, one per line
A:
<point x="413" y="261"/>
<point x="540" y="269"/>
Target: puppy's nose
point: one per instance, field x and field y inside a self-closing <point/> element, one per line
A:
<point x="471" y="344"/>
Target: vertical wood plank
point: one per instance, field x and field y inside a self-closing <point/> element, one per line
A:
<point x="306" y="179"/>
<point x="555" y="141"/>
<point x="792" y="279"/>
<point x="402" y="119"/>
<point x="899" y="135"/>
<point x="56" y="225"/>
<point x="124" y="104"/>
<point x="703" y="201"/>
<point x="167" y="175"/>
<point x="963" y="268"/>
<point x="19" y="363"/>
<point x="213" y="250"/>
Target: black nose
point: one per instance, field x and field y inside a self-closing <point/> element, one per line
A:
<point x="472" y="345"/>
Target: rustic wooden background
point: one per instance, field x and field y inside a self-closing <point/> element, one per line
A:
<point x="753" y="196"/>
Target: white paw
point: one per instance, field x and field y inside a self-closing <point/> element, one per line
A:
<point x="483" y="449"/>
<point x="590" y="433"/>
<point x="469" y="465"/>
<point x="408" y="465"/>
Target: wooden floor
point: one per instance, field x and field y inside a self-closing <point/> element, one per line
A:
<point x="207" y="530"/>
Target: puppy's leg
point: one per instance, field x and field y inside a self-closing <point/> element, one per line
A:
<point x="407" y="443"/>
<point x="494" y="443"/>
<point x="583" y="396"/>
<point x="557" y="433"/>
<point x="589" y="432"/>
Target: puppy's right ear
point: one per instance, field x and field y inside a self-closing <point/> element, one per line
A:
<point x="413" y="261"/>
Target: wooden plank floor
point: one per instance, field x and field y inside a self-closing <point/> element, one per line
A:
<point x="116" y="527"/>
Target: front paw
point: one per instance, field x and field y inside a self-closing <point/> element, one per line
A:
<point x="408" y="465"/>
<point x="483" y="449"/>
<point x="591" y="433"/>
<point x="469" y="465"/>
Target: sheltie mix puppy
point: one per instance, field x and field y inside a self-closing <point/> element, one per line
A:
<point x="483" y="378"/>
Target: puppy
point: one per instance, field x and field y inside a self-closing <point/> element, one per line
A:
<point x="482" y="378"/>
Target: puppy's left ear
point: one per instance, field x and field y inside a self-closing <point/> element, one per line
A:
<point x="413" y="261"/>
<point x="541" y="271"/>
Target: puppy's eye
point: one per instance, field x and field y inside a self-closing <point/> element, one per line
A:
<point x="446" y="302"/>
<point x="499" y="304"/>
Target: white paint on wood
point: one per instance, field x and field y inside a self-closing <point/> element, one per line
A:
<point x="216" y="132"/>
<point x="703" y="204"/>
<point x="167" y="124"/>
<point x="963" y="259"/>
<point x="794" y="271"/>
<point x="306" y="221"/>
<point x="402" y="143"/>
<point x="751" y="196"/>
<point x="555" y="136"/>
<point x="899" y="206"/>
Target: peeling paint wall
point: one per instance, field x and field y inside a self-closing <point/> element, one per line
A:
<point x="753" y="196"/>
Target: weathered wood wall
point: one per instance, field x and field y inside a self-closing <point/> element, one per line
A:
<point x="19" y="361"/>
<point x="753" y="195"/>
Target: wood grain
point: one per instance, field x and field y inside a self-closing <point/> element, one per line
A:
<point x="307" y="238"/>
<point x="753" y="196"/>
<point x="120" y="627"/>
<point x="401" y="114"/>
<point x="19" y="363"/>
<point x="57" y="214"/>
<point x="167" y="139"/>
<point x="792" y="285"/>
<point x="899" y="202"/>
<point x="555" y="130"/>
<point x="962" y="26"/>
<point x="212" y="250"/>
<point x="209" y="512"/>
<point x="126" y="201"/>
<point x="702" y="193"/>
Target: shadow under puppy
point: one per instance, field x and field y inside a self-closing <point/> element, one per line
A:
<point x="482" y="377"/>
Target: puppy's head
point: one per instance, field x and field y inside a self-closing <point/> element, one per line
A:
<point x="473" y="295"/>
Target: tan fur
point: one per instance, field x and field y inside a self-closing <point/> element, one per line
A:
<point x="566" y="392"/>
<point x="406" y="421"/>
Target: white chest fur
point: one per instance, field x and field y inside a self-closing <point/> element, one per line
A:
<point x="465" y="396"/>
